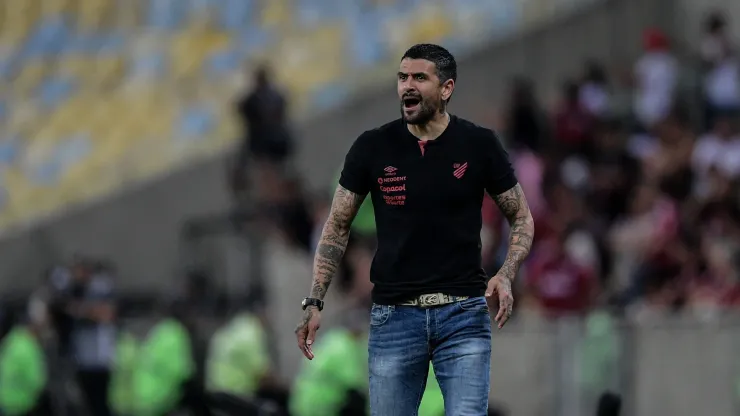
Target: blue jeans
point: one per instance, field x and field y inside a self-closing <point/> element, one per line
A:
<point x="457" y="340"/>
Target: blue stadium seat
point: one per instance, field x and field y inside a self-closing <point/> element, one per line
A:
<point x="234" y="15"/>
<point x="65" y="154"/>
<point x="253" y="40"/>
<point x="222" y="63"/>
<point x="366" y="46"/>
<point x="328" y="96"/>
<point x="49" y="37"/>
<point x="166" y="14"/>
<point x="9" y="149"/>
<point x="152" y="65"/>
<point x="3" y="110"/>
<point x="54" y="90"/>
<point x="109" y="43"/>
<point x="194" y="123"/>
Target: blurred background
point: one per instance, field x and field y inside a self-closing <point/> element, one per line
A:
<point x="166" y="167"/>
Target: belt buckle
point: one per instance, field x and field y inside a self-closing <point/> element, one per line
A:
<point x="434" y="299"/>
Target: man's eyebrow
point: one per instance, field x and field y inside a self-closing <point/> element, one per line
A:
<point x="412" y="74"/>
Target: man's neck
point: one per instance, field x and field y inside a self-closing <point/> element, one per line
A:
<point x="432" y="129"/>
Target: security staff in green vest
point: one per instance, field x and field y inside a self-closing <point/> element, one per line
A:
<point x="120" y="392"/>
<point x="238" y="358"/>
<point x="335" y="382"/>
<point x="23" y="372"/>
<point x="165" y="380"/>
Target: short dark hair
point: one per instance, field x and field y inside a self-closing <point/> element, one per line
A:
<point x="442" y="59"/>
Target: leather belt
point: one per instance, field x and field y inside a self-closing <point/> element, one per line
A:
<point x="433" y="299"/>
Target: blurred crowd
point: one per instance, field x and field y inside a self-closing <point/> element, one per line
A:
<point x="632" y="178"/>
<point x="636" y="205"/>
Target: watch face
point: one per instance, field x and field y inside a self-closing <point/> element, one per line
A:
<point x="303" y="303"/>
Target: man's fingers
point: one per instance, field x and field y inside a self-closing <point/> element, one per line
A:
<point x="302" y="345"/>
<point x="506" y="307"/>
<point x="501" y="312"/>
<point x="311" y="335"/>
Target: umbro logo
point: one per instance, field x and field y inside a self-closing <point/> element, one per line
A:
<point x="390" y="170"/>
<point x="459" y="169"/>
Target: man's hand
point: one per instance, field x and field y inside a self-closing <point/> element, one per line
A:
<point x="502" y="286"/>
<point x="306" y="330"/>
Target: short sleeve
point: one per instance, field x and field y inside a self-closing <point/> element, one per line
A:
<point x="355" y="175"/>
<point x="499" y="174"/>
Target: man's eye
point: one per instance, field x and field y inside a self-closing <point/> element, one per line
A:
<point x="419" y="77"/>
<point x="402" y="77"/>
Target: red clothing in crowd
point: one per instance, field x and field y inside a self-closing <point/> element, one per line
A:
<point x="559" y="284"/>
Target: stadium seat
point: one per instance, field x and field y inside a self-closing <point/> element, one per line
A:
<point x="92" y="13"/>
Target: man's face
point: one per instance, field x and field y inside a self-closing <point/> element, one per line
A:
<point x="420" y="91"/>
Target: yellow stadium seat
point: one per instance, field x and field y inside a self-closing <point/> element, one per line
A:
<point x="190" y="48"/>
<point x="77" y="66"/>
<point x="314" y="55"/>
<point x="432" y="27"/>
<point x="276" y="13"/>
<point x="107" y="71"/>
<point x="92" y="13"/>
<point x="22" y="116"/>
<point x="30" y="76"/>
<point x="55" y="7"/>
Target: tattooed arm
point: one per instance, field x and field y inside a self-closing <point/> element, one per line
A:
<point x="513" y="205"/>
<point x="329" y="253"/>
<point x="334" y="238"/>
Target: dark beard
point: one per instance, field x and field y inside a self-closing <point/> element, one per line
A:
<point x="425" y="114"/>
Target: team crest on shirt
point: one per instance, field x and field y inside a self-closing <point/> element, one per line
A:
<point x="459" y="169"/>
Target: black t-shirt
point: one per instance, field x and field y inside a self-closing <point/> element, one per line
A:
<point x="427" y="198"/>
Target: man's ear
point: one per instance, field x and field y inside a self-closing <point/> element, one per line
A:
<point x="447" y="88"/>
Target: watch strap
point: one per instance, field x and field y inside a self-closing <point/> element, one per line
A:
<point x="313" y="302"/>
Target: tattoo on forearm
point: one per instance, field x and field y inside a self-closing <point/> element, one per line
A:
<point x="513" y="205"/>
<point x="334" y="238"/>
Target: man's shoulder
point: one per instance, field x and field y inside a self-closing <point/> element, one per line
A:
<point x="371" y="138"/>
<point x="475" y="132"/>
<point x="387" y="129"/>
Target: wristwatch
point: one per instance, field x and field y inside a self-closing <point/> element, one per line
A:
<point x="312" y="302"/>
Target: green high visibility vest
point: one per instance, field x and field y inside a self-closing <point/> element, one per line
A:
<point x="23" y="375"/>
<point x="165" y="363"/>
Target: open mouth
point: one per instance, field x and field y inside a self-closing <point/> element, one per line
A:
<point x="410" y="103"/>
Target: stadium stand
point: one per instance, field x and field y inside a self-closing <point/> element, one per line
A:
<point x="107" y="93"/>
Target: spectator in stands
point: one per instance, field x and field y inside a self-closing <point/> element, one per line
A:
<point x="573" y="122"/>
<point x="670" y="162"/>
<point x="717" y="150"/>
<point x="85" y="303"/>
<point x="613" y="173"/>
<point x="556" y="283"/>
<point x="646" y="243"/>
<point x="656" y="80"/>
<point x="721" y="69"/>
<point x="525" y="124"/>
<point x="719" y="286"/>
<point x="594" y="94"/>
